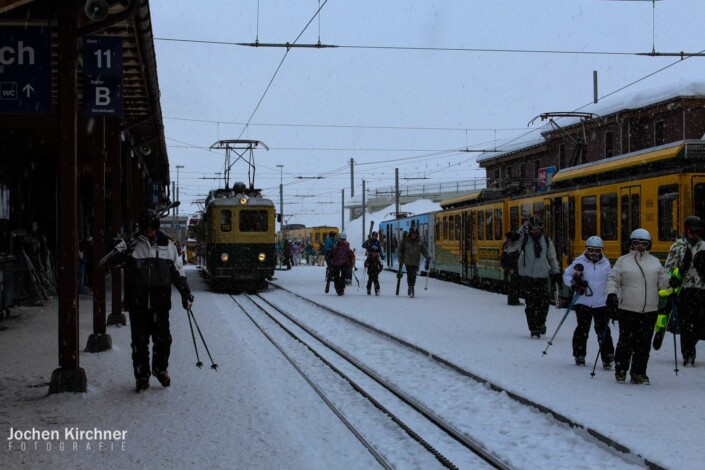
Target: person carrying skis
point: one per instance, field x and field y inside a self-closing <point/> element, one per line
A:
<point x="373" y="241"/>
<point x="635" y="276"/>
<point x="340" y="257"/>
<point x="151" y="267"/>
<point x="590" y="283"/>
<point x="688" y="255"/>
<point x="410" y="256"/>
<point x="373" y="266"/>
<point x="536" y="263"/>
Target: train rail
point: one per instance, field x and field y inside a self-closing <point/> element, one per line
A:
<point x="387" y="371"/>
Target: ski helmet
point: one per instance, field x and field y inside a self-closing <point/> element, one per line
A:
<point x="695" y="224"/>
<point x="535" y="221"/>
<point x="148" y="219"/>
<point x="342" y="236"/>
<point x="594" y="242"/>
<point x="641" y="235"/>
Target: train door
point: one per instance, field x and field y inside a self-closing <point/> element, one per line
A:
<point x="389" y="245"/>
<point x="559" y="231"/>
<point x="698" y="202"/>
<point x="630" y="214"/>
<point x="465" y="245"/>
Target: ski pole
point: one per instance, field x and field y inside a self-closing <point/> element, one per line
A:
<point x="600" y="341"/>
<point x="567" y="311"/>
<point x="428" y="274"/>
<point x="214" y="366"/>
<point x="675" y="351"/>
<point x="199" y="364"/>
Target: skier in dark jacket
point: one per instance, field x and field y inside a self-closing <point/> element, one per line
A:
<point x="151" y="266"/>
<point x="340" y="258"/>
<point x="373" y="241"/>
<point x="410" y="256"/>
<point x="374" y="267"/>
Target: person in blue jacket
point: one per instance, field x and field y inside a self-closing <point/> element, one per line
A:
<point x="587" y="277"/>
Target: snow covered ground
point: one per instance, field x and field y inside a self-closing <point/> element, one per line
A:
<point x="255" y="411"/>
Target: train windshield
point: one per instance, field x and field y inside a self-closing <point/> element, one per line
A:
<point x="254" y="221"/>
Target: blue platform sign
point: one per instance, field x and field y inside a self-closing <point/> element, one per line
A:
<point x="102" y="71"/>
<point x="25" y="69"/>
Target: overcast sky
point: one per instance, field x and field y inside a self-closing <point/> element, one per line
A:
<point x="411" y="83"/>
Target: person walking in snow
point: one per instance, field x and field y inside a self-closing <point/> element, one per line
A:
<point x="635" y="277"/>
<point x="410" y="256"/>
<point x="688" y="255"/>
<point x="508" y="261"/>
<point x="536" y="263"/>
<point x="373" y="266"/>
<point x="587" y="277"/>
<point x="151" y="267"/>
<point x="340" y="258"/>
<point x="373" y="241"/>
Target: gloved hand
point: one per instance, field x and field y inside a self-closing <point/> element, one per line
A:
<point x="612" y="304"/>
<point x="556" y="278"/>
<point x="400" y="274"/>
<point x="119" y="244"/>
<point x="675" y="282"/>
<point x="187" y="301"/>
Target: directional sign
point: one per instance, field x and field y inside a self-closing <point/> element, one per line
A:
<point x="25" y="69"/>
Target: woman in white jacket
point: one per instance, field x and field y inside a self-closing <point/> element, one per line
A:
<point x="635" y="276"/>
<point x="587" y="276"/>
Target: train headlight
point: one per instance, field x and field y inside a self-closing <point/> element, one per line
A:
<point x="243" y="200"/>
<point x="262" y="257"/>
<point x="224" y="257"/>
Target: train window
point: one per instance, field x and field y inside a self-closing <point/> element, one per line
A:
<point x="445" y="227"/>
<point x="438" y="229"/>
<point x="253" y="221"/>
<point x="608" y="216"/>
<point x="480" y="225"/>
<point x="668" y="212"/>
<point x="451" y="228"/>
<point x="225" y="220"/>
<point x="457" y="227"/>
<point x="588" y="216"/>
<point x="571" y="217"/>
<point x="488" y="225"/>
<point x="513" y="218"/>
<point x="699" y="200"/>
<point x="498" y="234"/>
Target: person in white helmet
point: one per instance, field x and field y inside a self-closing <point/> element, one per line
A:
<point x="341" y="258"/>
<point x="635" y="278"/>
<point x="587" y="276"/>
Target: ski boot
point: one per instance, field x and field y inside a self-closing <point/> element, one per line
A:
<point x="369" y="292"/>
<point x="377" y="292"/>
<point x="142" y="385"/>
<point x="163" y="378"/>
<point x="579" y="360"/>
<point x="620" y="376"/>
<point x="411" y="292"/>
<point x="640" y="379"/>
<point x="607" y="364"/>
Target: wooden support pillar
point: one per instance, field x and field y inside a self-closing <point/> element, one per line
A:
<point x="114" y="150"/>
<point x="69" y="377"/>
<point x="98" y="341"/>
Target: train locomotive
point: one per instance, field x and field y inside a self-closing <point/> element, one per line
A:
<point x="237" y="239"/>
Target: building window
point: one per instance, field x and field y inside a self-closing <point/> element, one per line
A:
<point x="508" y="172"/>
<point x="522" y="171"/>
<point x="561" y="156"/>
<point x="658" y="133"/>
<point x="537" y="166"/>
<point x="497" y="176"/>
<point x="609" y="144"/>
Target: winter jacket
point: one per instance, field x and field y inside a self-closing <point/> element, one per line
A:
<point x="411" y="251"/>
<point x="342" y="255"/>
<point x="373" y="242"/>
<point x="531" y="266"/>
<point x="373" y="265"/>
<point x="635" y="276"/>
<point x="596" y="276"/>
<point x="328" y="245"/>
<point x="150" y="270"/>
<point x="691" y="278"/>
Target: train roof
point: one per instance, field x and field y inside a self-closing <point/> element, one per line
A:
<point x="651" y="157"/>
<point x="475" y="196"/>
<point x="235" y="201"/>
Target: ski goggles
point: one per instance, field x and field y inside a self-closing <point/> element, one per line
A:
<point x="594" y="251"/>
<point x="644" y="243"/>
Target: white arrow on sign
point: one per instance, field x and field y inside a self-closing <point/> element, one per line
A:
<point x="28" y="89"/>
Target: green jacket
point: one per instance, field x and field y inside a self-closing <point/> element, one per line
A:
<point x="411" y="251"/>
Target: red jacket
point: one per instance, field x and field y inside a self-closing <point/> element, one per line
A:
<point x="341" y="254"/>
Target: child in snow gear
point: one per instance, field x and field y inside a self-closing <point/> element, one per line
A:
<point x="635" y="276"/>
<point x="341" y="257"/>
<point x="151" y="267"/>
<point x="590" y="282"/>
<point x="687" y="254"/>
<point x="536" y="264"/>
<point x="373" y="266"/>
<point x="410" y="256"/>
<point x="373" y="241"/>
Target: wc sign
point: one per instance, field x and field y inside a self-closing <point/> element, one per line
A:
<point x="25" y="69"/>
<point x="102" y="70"/>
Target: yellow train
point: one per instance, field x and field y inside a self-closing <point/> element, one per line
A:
<point x="314" y="235"/>
<point x="655" y="189"/>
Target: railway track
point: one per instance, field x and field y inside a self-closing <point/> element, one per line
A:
<point x="446" y="415"/>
